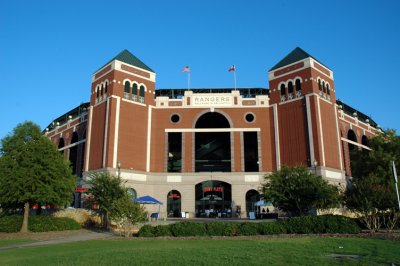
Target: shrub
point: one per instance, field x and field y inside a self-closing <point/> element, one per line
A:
<point x="48" y="223"/>
<point x="271" y="228"/>
<point x="247" y="229"/>
<point x="188" y="229"/>
<point x="146" y="231"/>
<point x="231" y="229"/>
<point x="10" y="224"/>
<point x="216" y="228"/>
<point x="162" y="230"/>
<point x="38" y="224"/>
<point x="84" y="217"/>
<point x="321" y="224"/>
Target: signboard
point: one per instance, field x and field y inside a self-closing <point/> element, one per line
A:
<point x="81" y="189"/>
<point x="212" y="100"/>
<point x="216" y="189"/>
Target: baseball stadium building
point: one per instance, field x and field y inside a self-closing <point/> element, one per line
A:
<point x="209" y="148"/>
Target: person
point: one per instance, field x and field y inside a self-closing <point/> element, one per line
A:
<point x="263" y="210"/>
<point x="267" y="210"/>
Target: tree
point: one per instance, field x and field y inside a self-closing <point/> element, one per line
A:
<point x="371" y="191"/>
<point x="298" y="192"/>
<point x="113" y="199"/>
<point x="32" y="171"/>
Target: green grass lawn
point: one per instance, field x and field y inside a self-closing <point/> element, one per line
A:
<point x="284" y="251"/>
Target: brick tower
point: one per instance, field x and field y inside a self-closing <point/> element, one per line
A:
<point x="122" y="92"/>
<point x="302" y="94"/>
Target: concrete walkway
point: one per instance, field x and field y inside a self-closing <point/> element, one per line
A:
<point x="88" y="235"/>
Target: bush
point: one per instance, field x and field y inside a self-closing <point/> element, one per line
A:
<point x="321" y="224"/>
<point x="84" y="217"/>
<point x="38" y="224"/>
<point x="247" y="229"/>
<point x="216" y="228"/>
<point x="146" y="231"/>
<point x="10" y="224"/>
<point x="162" y="230"/>
<point x="231" y="229"/>
<point x="188" y="229"/>
<point x="271" y="228"/>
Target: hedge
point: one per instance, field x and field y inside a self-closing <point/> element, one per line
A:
<point x="298" y="225"/>
<point x="13" y="223"/>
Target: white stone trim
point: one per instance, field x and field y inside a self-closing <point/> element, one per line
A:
<point x="196" y="130"/>
<point x="356" y="144"/>
<point x="174" y="178"/>
<point x="72" y="145"/>
<point x="321" y="132"/>
<point x="133" y="102"/>
<point x="133" y="176"/>
<point x="148" y="147"/>
<point x="310" y="131"/>
<point x="116" y="131"/>
<point x="89" y="132"/>
<point x="106" y="133"/>
<point x="276" y="132"/>
<point x="338" y="138"/>
<point x="251" y="178"/>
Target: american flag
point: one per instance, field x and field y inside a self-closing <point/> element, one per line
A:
<point x="186" y="69"/>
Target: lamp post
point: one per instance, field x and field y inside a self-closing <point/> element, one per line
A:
<point x="119" y="169"/>
<point x="315" y="164"/>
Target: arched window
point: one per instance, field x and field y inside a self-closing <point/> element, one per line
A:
<point x="127" y="89"/>
<point x="351" y="136"/>
<point x="298" y="85"/>
<point x="132" y="193"/>
<point x="327" y="89"/>
<point x="319" y="85"/>
<point x="134" y="92"/>
<point x="102" y="89"/>
<point x="364" y="140"/>
<point x="61" y="144"/>
<point x="97" y="93"/>
<point x="141" y="94"/>
<point x="324" y="86"/>
<point x="106" y="88"/>
<point x="290" y="88"/>
<point x="252" y="196"/>
<point x="283" y="90"/>
<point x="73" y="152"/>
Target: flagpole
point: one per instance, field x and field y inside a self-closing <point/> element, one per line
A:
<point x="189" y="80"/>
<point x="234" y="76"/>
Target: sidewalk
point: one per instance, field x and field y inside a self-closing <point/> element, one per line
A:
<point x="82" y="236"/>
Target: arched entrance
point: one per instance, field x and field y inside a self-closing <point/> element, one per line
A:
<point x="213" y="199"/>
<point x="351" y="136"/>
<point x="212" y="149"/>
<point x="132" y="193"/>
<point x="174" y="203"/>
<point x="252" y="196"/>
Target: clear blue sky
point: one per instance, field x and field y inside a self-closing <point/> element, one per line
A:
<point x="49" y="49"/>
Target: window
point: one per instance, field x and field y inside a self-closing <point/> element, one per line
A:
<point x="298" y="85"/>
<point x="249" y="117"/>
<point x="327" y="89"/>
<point x="324" y="86"/>
<point x="174" y="152"/>
<point x="134" y="92"/>
<point x="127" y="89"/>
<point x="106" y="88"/>
<point x="250" y="144"/>
<point x="290" y="87"/>
<point x="283" y="89"/>
<point x="175" y="118"/>
<point x="319" y="85"/>
<point x="141" y="94"/>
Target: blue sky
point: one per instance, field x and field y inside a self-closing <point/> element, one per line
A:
<point x="49" y="49"/>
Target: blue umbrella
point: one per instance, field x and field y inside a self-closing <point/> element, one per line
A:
<point x="147" y="200"/>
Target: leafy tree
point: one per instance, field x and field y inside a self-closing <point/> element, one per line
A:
<point x="371" y="191"/>
<point x="113" y="199"/>
<point x="32" y="171"/>
<point x="298" y="192"/>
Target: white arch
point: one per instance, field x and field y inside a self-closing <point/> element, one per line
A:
<point x="298" y="77"/>
<point x="280" y="84"/>
<point x="125" y="80"/>
<point x="142" y="84"/>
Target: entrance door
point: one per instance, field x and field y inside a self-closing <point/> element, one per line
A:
<point x="174" y="203"/>
<point x="213" y="199"/>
